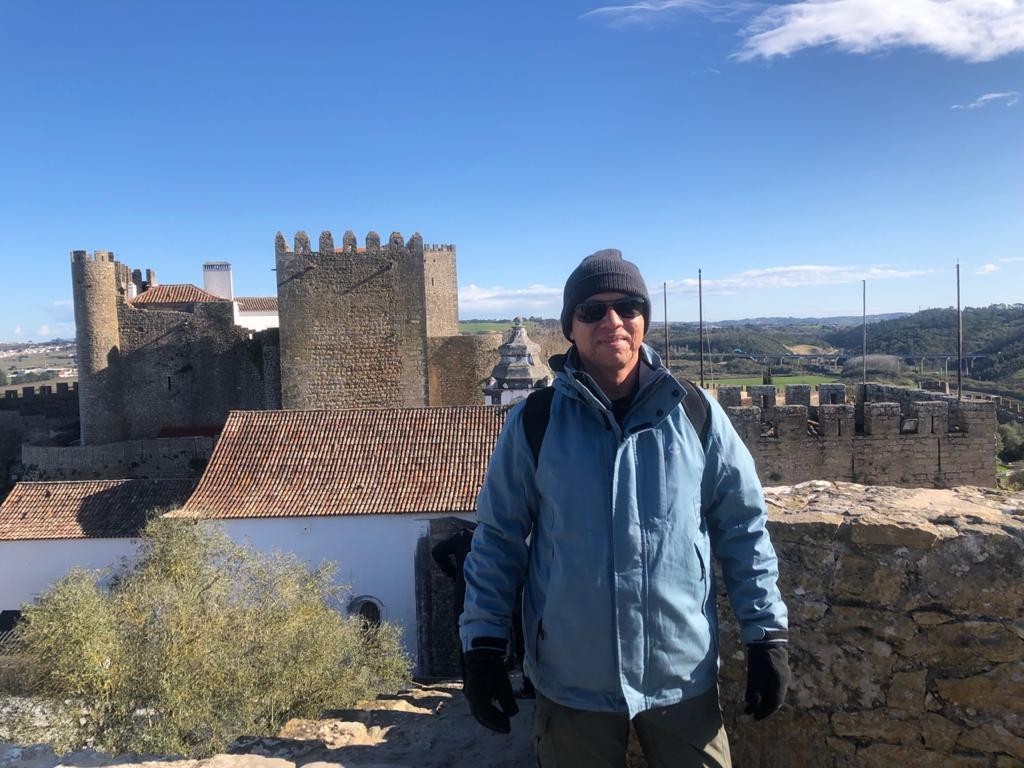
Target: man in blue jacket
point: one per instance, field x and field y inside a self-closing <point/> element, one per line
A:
<point x="612" y="527"/>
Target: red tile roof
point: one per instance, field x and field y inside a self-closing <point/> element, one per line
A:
<point x="104" y="509"/>
<point x="352" y="462"/>
<point x="175" y="293"/>
<point x="256" y="303"/>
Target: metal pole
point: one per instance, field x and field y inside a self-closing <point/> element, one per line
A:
<point x="664" y="300"/>
<point x="864" y="340"/>
<point x="959" y="339"/>
<point x="700" y="310"/>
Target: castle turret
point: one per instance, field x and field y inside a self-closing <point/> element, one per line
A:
<point x="520" y="370"/>
<point x="441" y="287"/>
<point x="97" y="334"/>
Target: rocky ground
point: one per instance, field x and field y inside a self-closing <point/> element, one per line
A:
<point x="427" y="726"/>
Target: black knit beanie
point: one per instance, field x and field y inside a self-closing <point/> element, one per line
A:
<point x="600" y="272"/>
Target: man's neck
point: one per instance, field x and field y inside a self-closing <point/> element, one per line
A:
<point x="617" y="384"/>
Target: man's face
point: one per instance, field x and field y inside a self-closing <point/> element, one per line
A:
<point x="612" y="344"/>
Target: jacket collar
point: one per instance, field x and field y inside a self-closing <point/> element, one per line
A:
<point x="575" y="381"/>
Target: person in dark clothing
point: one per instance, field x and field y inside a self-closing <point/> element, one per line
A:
<point x="450" y="556"/>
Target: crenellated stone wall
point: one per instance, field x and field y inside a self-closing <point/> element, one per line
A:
<point x="887" y="436"/>
<point x="907" y="630"/>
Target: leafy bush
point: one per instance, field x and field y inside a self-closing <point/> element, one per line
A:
<point x="199" y="641"/>
<point x="1010" y="442"/>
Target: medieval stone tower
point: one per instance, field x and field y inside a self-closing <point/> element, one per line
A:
<point x="94" y="284"/>
<point x="173" y="365"/>
<point x="356" y="322"/>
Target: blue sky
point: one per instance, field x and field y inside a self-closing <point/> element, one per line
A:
<point x="789" y="150"/>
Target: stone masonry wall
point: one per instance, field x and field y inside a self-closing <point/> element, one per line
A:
<point x="441" y="287"/>
<point x="459" y="367"/>
<point x="152" y="458"/>
<point x="146" y="370"/>
<point x="94" y="287"/>
<point x="934" y="442"/>
<point x="907" y="630"/>
<point x="352" y="323"/>
<point x="186" y="369"/>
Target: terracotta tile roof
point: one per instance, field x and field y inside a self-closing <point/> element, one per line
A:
<point x="175" y="293"/>
<point x="104" y="509"/>
<point x="352" y="462"/>
<point x="256" y="303"/>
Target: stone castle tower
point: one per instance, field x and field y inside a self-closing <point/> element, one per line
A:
<point x="94" y="285"/>
<point x="177" y="368"/>
<point x="355" y="322"/>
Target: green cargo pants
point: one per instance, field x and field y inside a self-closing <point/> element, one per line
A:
<point x="689" y="734"/>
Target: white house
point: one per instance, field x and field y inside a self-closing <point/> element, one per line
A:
<point x="47" y="528"/>
<point x="371" y="490"/>
<point x="367" y="489"/>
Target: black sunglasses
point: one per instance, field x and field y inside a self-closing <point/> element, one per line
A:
<point x="627" y="308"/>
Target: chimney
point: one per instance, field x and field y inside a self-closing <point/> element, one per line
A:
<point x="217" y="279"/>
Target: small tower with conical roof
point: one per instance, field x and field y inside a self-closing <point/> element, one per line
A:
<point x="520" y="369"/>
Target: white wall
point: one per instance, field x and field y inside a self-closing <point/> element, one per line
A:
<point x="256" y="321"/>
<point x="375" y="555"/>
<point x="28" y="568"/>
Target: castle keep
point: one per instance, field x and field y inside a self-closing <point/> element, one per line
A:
<point x="374" y="326"/>
<point x="370" y="326"/>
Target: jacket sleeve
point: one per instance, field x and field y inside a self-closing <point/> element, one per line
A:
<point x="496" y="564"/>
<point x="733" y="505"/>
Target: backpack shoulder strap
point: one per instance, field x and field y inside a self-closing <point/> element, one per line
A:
<point x="695" y="405"/>
<point x="536" y="414"/>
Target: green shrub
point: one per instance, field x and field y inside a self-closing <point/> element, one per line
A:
<point x="197" y="642"/>
<point x="1010" y="442"/>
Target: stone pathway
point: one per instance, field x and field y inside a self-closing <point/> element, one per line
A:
<point x="427" y="726"/>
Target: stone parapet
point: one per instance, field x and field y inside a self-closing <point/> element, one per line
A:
<point x="831" y="394"/>
<point x="729" y="397"/>
<point x="798" y="394"/>
<point x="936" y="442"/>
<point x="906" y="641"/>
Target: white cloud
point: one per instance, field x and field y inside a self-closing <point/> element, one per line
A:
<point x="18" y="330"/>
<point x="797" y="276"/>
<point x="1009" y="97"/>
<point x="986" y="269"/>
<point x="43" y="330"/>
<point x="63" y="303"/>
<point x="481" y="302"/>
<point x="1012" y="258"/>
<point x="648" y="11"/>
<point x="973" y="30"/>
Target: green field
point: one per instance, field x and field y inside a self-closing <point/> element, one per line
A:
<point x="778" y="381"/>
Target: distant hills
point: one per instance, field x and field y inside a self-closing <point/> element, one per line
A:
<point x="839" y="321"/>
<point x="995" y="332"/>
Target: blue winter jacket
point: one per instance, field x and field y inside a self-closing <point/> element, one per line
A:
<point x="612" y="531"/>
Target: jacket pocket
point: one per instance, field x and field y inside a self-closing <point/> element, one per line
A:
<point x="704" y="580"/>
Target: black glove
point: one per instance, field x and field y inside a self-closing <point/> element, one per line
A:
<point x="768" y="678"/>
<point x="487" y="680"/>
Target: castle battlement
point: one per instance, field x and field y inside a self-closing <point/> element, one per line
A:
<point x="301" y="244"/>
<point x="80" y="257"/>
<point x="938" y="441"/>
